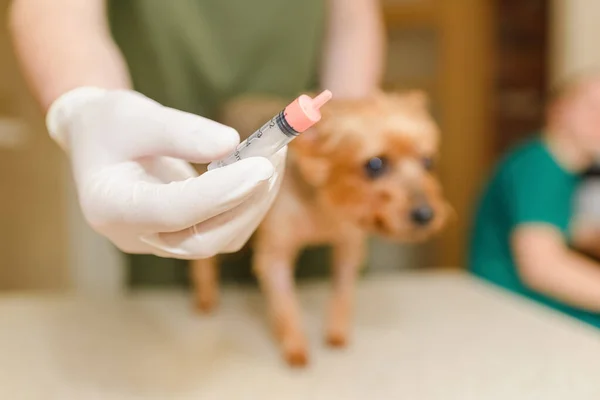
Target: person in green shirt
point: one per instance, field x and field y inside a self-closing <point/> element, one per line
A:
<point x="130" y="88"/>
<point x="525" y="232"/>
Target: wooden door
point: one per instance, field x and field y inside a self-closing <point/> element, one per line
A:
<point x="33" y="229"/>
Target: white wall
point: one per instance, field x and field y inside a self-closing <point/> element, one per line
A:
<point x="575" y="35"/>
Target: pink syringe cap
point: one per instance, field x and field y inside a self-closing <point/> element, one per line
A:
<point x="304" y="112"/>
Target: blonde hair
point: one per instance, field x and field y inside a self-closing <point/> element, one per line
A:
<point x="571" y="85"/>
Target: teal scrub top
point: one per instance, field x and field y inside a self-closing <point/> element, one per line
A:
<point x="528" y="186"/>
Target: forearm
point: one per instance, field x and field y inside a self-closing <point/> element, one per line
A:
<point x="64" y="44"/>
<point x="353" y="60"/>
<point x="570" y="278"/>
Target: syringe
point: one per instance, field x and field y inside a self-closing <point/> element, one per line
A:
<point x="296" y="118"/>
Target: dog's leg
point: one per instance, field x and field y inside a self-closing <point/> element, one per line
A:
<point x="205" y="283"/>
<point x="275" y="272"/>
<point x="348" y="259"/>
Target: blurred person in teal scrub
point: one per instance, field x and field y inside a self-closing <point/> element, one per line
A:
<point x="130" y="88"/>
<point x="528" y="229"/>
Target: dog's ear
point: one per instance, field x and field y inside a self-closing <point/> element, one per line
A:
<point x="314" y="170"/>
<point x="307" y="142"/>
<point x="418" y="99"/>
<point x="307" y="152"/>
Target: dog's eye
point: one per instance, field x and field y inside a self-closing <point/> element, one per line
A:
<point x="427" y="163"/>
<point x="376" y="167"/>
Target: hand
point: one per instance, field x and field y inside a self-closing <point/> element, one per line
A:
<point x="129" y="156"/>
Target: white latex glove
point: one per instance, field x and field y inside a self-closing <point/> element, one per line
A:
<point x="127" y="154"/>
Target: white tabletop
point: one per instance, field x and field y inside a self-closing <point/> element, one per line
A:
<point x="416" y="337"/>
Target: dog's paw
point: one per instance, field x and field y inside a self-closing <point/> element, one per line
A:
<point x="336" y="338"/>
<point x="296" y="358"/>
<point x="206" y="304"/>
<point x="295" y="352"/>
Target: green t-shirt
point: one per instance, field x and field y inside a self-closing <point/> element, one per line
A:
<point x="194" y="55"/>
<point x="528" y="186"/>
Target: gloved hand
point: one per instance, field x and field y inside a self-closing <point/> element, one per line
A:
<point x="129" y="159"/>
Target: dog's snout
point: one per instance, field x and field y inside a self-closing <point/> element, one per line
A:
<point x="422" y="215"/>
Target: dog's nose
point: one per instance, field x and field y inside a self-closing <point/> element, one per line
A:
<point x="422" y="215"/>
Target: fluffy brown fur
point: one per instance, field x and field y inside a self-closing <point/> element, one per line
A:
<point x="366" y="168"/>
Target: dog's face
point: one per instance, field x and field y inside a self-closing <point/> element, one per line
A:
<point x="373" y="161"/>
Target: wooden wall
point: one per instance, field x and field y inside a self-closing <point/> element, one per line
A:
<point x="521" y="70"/>
<point x="33" y="236"/>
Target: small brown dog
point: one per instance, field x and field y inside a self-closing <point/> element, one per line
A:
<point x="366" y="168"/>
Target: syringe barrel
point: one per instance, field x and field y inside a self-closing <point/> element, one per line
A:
<point x="265" y="142"/>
